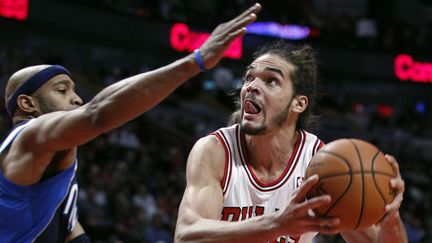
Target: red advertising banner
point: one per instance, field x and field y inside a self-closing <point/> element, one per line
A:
<point x="407" y="69"/>
<point x="183" y="39"/>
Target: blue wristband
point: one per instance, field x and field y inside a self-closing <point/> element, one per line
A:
<point x="199" y="60"/>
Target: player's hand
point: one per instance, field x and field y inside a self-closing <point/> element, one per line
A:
<point x="295" y="219"/>
<point x="219" y="40"/>
<point x="398" y="186"/>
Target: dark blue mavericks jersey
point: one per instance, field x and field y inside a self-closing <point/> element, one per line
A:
<point x="44" y="212"/>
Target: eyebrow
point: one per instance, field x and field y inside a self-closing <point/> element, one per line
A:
<point x="271" y="69"/>
<point x="276" y="70"/>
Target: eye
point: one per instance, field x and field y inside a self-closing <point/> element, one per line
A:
<point x="62" y="91"/>
<point x="272" y="81"/>
<point x="248" y="78"/>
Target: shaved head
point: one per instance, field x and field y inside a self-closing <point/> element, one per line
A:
<point x="19" y="77"/>
<point x="27" y="81"/>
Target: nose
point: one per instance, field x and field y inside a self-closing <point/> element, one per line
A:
<point x="253" y="87"/>
<point x="76" y="100"/>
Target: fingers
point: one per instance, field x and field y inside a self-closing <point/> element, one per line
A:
<point x="393" y="163"/>
<point x="396" y="184"/>
<point x="297" y="218"/>
<point x="245" y="18"/>
<point x="248" y="18"/>
<point x="321" y="225"/>
<point x="252" y="10"/>
<point x="237" y="29"/>
<point x="242" y="22"/>
<point x="305" y="187"/>
<point x="236" y="34"/>
<point x="316" y="202"/>
<point x="395" y="204"/>
<point x="224" y="34"/>
<point x="392" y="209"/>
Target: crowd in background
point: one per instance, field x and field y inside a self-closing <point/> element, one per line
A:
<point x="132" y="179"/>
<point x="376" y="28"/>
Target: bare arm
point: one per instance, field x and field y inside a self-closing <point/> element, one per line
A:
<point x="129" y="98"/>
<point x="391" y="228"/>
<point x="202" y="202"/>
<point x="54" y="136"/>
<point x="201" y="206"/>
<point x="393" y="231"/>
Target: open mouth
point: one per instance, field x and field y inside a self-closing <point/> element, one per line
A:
<point x="250" y="107"/>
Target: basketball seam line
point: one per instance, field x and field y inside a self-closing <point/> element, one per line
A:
<point x="351" y="174"/>
<point x="354" y="173"/>
<point x="376" y="184"/>
<point x="349" y="184"/>
<point x="362" y="183"/>
<point x="373" y="177"/>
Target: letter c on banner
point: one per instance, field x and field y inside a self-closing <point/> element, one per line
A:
<point x="180" y="37"/>
<point x="402" y="66"/>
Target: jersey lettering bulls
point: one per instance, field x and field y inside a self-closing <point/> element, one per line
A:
<point x="245" y="196"/>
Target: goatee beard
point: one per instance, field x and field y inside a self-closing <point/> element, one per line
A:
<point x="253" y="131"/>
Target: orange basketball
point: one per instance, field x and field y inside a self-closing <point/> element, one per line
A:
<point x="357" y="177"/>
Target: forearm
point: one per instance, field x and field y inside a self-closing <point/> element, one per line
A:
<point x="130" y="97"/>
<point x="369" y="235"/>
<point x="257" y="229"/>
<point x="393" y="231"/>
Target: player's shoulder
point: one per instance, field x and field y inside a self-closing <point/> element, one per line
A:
<point x="308" y="135"/>
<point x="36" y="122"/>
<point x="209" y="144"/>
<point x="311" y="140"/>
<point x="16" y="133"/>
<point x="216" y="138"/>
<point x="208" y="151"/>
<point x="206" y="163"/>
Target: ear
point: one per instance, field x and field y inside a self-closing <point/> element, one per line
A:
<point x="299" y="103"/>
<point x="26" y="103"/>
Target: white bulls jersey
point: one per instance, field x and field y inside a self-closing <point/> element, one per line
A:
<point x="245" y="195"/>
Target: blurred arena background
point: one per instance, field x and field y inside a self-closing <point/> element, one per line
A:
<point x="376" y="84"/>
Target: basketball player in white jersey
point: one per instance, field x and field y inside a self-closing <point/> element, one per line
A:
<point x="38" y="190"/>
<point x="245" y="182"/>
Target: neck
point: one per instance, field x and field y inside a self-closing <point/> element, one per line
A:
<point x="19" y="119"/>
<point x="271" y="151"/>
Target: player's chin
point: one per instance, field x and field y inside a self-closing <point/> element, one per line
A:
<point x="249" y="124"/>
<point x="252" y="128"/>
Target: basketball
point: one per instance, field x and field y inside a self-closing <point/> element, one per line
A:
<point x="357" y="177"/>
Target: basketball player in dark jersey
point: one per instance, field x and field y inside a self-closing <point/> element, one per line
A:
<point x="38" y="190"/>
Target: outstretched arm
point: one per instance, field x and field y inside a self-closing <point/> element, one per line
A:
<point x="53" y="136"/>
<point x="129" y="98"/>
<point x="202" y="203"/>
<point x="391" y="228"/>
